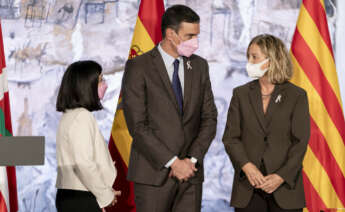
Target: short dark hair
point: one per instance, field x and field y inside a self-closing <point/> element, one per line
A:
<point x="175" y="15"/>
<point x="79" y="87"/>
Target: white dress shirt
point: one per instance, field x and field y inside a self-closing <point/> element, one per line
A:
<point x="169" y="65"/>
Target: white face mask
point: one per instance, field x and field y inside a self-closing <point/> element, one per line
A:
<point x="254" y="70"/>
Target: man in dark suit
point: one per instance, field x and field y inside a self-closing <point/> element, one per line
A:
<point x="171" y="115"/>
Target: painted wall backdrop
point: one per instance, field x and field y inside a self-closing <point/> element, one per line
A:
<point x="42" y="37"/>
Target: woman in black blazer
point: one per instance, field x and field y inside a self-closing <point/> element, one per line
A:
<point x="267" y="132"/>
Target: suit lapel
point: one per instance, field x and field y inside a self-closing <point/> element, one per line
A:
<point x="276" y="98"/>
<point x="256" y="102"/>
<point x="188" y="79"/>
<point x="163" y="73"/>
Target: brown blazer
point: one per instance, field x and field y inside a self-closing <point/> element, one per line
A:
<point x="153" y="120"/>
<point x="278" y="138"/>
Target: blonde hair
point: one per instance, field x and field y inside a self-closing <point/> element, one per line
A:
<point x="280" y="66"/>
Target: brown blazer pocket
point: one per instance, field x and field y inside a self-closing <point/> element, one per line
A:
<point x="141" y="171"/>
<point x="298" y="175"/>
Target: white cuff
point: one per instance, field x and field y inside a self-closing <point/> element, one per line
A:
<point x="106" y="199"/>
<point x="193" y="160"/>
<point x="170" y="162"/>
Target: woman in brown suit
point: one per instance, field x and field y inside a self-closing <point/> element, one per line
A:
<point x="267" y="132"/>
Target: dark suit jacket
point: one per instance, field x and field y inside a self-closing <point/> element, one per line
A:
<point x="278" y="139"/>
<point x="153" y="120"/>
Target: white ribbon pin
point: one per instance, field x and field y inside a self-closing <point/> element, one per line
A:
<point x="189" y="66"/>
<point x="278" y="99"/>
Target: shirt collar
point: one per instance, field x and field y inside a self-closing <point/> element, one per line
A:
<point x="168" y="59"/>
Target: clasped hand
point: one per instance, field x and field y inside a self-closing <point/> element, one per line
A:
<point x="116" y="193"/>
<point x="267" y="183"/>
<point x="182" y="169"/>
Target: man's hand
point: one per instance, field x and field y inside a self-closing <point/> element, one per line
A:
<point x="253" y="174"/>
<point x="182" y="169"/>
<point x="192" y="165"/>
<point x="273" y="181"/>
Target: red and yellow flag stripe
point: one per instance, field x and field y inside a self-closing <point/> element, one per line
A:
<point x="147" y="34"/>
<point x="314" y="70"/>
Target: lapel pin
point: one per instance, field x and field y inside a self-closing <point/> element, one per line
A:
<point x="189" y="66"/>
<point x="278" y="99"/>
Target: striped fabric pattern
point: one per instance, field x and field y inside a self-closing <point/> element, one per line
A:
<point x="314" y="70"/>
<point x="147" y="34"/>
<point x="8" y="185"/>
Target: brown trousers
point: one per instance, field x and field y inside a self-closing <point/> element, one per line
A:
<point x="172" y="196"/>
<point x="263" y="202"/>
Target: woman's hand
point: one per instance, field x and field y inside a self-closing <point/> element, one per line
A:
<point x="116" y="193"/>
<point x="273" y="181"/>
<point x="253" y="174"/>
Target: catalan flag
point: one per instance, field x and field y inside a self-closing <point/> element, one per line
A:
<point x="8" y="185"/>
<point x="147" y="34"/>
<point x="314" y="70"/>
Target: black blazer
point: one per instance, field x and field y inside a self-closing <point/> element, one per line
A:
<point x="278" y="139"/>
<point x="158" y="130"/>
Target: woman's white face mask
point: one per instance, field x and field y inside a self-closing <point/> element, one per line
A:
<point x="255" y="71"/>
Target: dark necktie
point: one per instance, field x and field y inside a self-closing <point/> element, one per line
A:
<point x="176" y="84"/>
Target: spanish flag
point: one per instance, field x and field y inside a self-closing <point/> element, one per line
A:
<point x="147" y="34"/>
<point x="314" y="70"/>
<point x="8" y="185"/>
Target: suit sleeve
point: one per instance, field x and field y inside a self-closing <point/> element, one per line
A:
<point x="208" y="125"/>
<point x="232" y="134"/>
<point x="135" y="111"/>
<point x="82" y="143"/>
<point x="300" y="131"/>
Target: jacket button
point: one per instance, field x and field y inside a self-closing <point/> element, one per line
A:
<point x="265" y="138"/>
